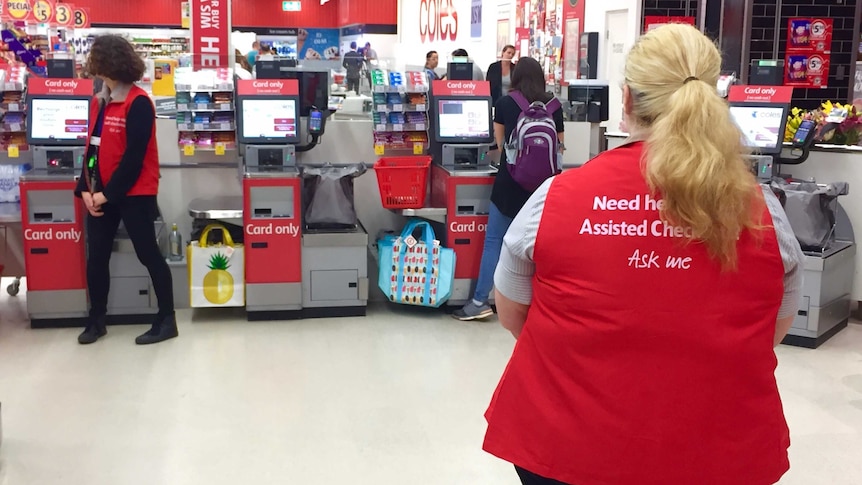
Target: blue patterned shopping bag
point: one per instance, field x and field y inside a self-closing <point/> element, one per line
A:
<point x="416" y="271"/>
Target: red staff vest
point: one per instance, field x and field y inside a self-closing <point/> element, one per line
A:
<point x="641" y="362"/>
<point x="113" y="144"/>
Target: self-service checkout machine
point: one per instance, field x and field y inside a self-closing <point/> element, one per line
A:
<point x="52" y="218"/>
<point x="585" y="104"/>
<point x="461" y="174"/>
<point x="268" y="129"/>
<point x="325" y="267"/>
<point x="761" y="113"/>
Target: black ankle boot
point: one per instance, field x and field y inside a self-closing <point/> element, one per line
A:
<point x="95" y="329"/>
<point x="165" y="328"/>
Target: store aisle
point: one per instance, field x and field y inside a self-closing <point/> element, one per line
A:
<point x="394" y="398"/>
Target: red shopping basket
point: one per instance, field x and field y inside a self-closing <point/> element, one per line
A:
<point x="402" y="181"/>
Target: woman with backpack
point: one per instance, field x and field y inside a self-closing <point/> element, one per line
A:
<point x="507" y="195"/>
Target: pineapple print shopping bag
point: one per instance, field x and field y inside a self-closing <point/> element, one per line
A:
<point x="416" y="271"/>
<point x="216" y="272"/>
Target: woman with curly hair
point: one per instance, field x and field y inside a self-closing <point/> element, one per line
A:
<point x="120" y="182"/>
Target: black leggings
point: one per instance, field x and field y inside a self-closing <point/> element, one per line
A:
<point x="530" y="478"/>
<point x="138" y="214"/>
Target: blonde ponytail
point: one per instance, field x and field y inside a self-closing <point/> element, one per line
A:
<point x="694" y="155"/>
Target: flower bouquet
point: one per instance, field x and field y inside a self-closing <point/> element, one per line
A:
<point x="837" y="124"/>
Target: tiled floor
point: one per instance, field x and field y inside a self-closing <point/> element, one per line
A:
<point x="394" y="398"/>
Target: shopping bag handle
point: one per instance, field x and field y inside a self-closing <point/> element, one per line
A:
<point x="215" y="227"/>
<point x="428" y="237"/>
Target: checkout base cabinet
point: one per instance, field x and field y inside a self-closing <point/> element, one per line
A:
<point x="335" y="274"/>
<point x="825" y="306"/>
<point x="467" y="199"/>
<point x="273" y="247"/>
<point x="52" y="221"/>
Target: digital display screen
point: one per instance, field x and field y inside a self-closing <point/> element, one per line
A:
<point x="269" y="118"/>
<point x="464" y="118"/>
<point x="60" y="120"/>
<point x="761" y="126"/>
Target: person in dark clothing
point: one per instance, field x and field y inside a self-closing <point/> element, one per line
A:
<point x="120" y="182"/>
<point x="500" y="73"/>
<point x="353" y="62"/>
<point x="507" y="196"/>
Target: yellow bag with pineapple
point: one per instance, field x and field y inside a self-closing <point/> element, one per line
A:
<point x="216" y="272"/>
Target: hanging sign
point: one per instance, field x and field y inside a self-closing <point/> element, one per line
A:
<point x="461" y="88"/>
<point x="760" y="94"/>
<point x="808" y="52"/>
<point x="210" y="29"/>
<point x="43" y="11"/>
<point x="81" y="18"/>
<point x="17" y="9"/>
<point x="64" y="14"/>
<point x="59" y="87"/>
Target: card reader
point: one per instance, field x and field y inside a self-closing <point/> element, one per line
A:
<point x="316" y="122"/>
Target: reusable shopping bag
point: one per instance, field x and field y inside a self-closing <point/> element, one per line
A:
<point x="810" y="208"/>
<point x="416" y="271"/>
<point x="216" y="272"/>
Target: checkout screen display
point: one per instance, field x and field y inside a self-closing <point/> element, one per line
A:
<point x="464" y="118"/>
<point x="269" y="118"/>
<point x="59" y="119"/>
<point x="761" y="126"/>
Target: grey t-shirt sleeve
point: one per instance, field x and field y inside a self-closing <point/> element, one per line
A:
<point x="791" y="255"/>
<point x="514" y="275"/>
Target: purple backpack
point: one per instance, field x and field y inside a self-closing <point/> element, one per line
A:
<point x="532" y="151"/>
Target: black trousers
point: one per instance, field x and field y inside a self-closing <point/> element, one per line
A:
<point x="530" y="478"/>
<point x="138" y="213"/>
<point x="353" y="84"/>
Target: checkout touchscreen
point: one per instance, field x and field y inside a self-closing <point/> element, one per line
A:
<point x="464" y="119"/>
<point x="59" y="121"/>
<point x="763" y="127"/>
<point x="269" y="119"/>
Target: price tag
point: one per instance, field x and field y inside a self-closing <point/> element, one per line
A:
<point x="219" y="148"/>
<point x="10" y="87"/>
<point x="420" y="107"/>
<point x="12" y="151"/>
<point x="15" y="127"/>
<point x="379" y="149"/>
<point x="418" y="148"/>
<point x="199" y="126"/>
<point x="203" y="106"/>
<point x="226" y="126"/>
<point x="224" y="106"/>
<point x="420" y="126"/>
<point x="182" y="107"/>
<point x="397" y="107"/>
<point x="13" y="107"/>
<point x="398" y="127"/>
<point x="379" y="88"/>
<point x="381" y="108"/>
<point x="381" y="127"/>
<point x="189" y="150"/>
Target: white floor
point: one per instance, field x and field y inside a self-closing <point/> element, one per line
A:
<point x="393" y="398"/>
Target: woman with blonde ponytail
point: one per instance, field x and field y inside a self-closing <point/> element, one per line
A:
<point x="646" y="291"/>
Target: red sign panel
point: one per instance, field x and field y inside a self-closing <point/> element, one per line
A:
<point x="760" y="94"/>
<point x="655" y="21"/>
<point x="809" y="35"/>
<point x="210" y="30"/>
<point x="808" y="70"/>
<point x="461" y="88"/>
<point x="59" y="87"/>
<point x="267" y="87"/>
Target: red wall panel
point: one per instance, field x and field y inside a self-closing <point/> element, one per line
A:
<point x="245" y="13"/>
<point x="377" y="12"/>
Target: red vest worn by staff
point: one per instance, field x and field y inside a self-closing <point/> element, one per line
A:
<point x="641" y="362"/>
<point x="113" y="144"/>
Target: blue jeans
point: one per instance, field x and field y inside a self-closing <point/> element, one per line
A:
<point x="498" y="224"/>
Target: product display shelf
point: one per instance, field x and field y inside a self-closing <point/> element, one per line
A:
<point x="13" y="127"/>
<point x="158" y="47"/>
<point x="400" y="113"/>
<point x="206" y="122"/>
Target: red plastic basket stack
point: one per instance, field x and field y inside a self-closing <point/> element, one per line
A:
<point x="402" y="181"/>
